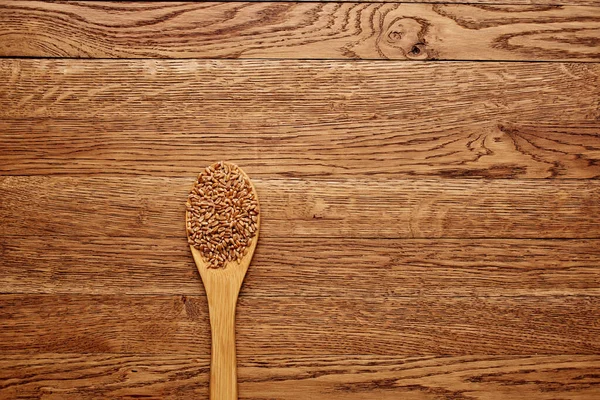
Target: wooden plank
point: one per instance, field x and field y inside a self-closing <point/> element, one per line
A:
<point x="299" y="30"/>
<point x="79" y="376"/>
<point x="153" y="324"/>
<point x="309" y="118"/>
<point x="178" y="147"/>
<point x="406" y="208"/>
<point x="307" y="267"/>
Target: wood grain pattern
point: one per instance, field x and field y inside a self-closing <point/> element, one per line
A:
<point x="412" y="248"/>
<point x="415" y="325"/>
<point x="319" y="119"/>
<point x="172" y="376"/>
<point x="353" y="208"/>
<point x="299" y="30"/>
<point x="307" y="267"/>
<point x="390" y="148"/>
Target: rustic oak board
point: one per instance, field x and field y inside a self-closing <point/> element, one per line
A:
<point x="173" y="376"/>
<point x="299" y="30"/>
<point x="413" y="246"/>
<point x="405" y="208"/>
<point x="307" y="267"/>
<point x="414" y="325"/>
<point x="319" y="119"/>
<point x="337" y="149"/>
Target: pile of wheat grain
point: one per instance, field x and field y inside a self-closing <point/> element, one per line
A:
<point x="222" y="214"/>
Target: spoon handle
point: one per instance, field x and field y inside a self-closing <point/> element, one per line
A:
<point x="223" y="369"/>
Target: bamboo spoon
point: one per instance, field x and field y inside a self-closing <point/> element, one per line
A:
<point x="222" y="286"/>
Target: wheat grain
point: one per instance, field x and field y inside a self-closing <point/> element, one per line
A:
<point x="222" y="214"/>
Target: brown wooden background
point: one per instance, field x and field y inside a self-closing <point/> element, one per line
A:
<point x="428" y="175"/>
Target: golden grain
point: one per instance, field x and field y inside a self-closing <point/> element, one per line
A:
<point x="222" y="214"/>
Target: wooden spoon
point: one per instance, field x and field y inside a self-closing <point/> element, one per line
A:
<point x="222" y="286"/>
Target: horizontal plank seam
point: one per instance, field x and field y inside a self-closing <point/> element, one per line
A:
<point x="475" y="3"/>
<point x="337" y="238"/>
<point x="345" y="60"/>
<point x="416" y="357"/>
<point x="245" y="295"/>
<point x="248" y="296"/>
<point x="280" y="177"/>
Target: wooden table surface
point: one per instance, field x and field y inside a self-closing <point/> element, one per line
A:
<point x="429" y="182"/>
